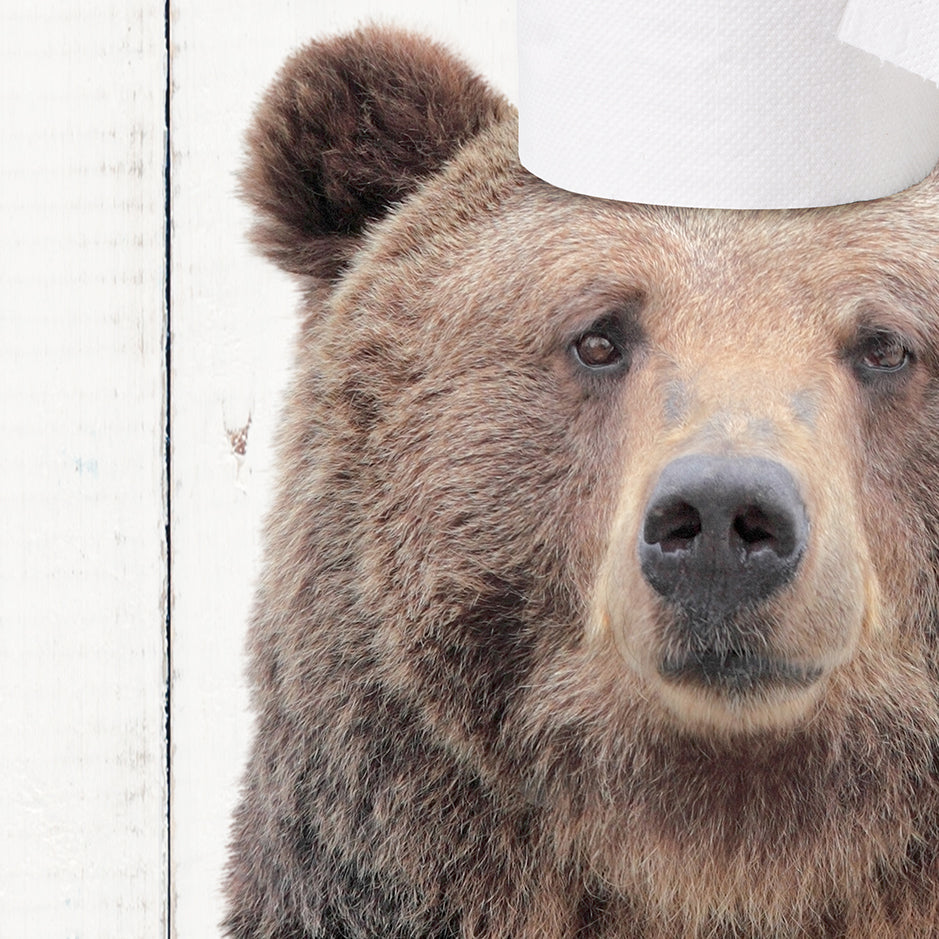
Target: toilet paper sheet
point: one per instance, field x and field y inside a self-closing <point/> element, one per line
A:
<point x="732" y="104"/>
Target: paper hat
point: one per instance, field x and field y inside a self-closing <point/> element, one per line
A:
<point x="731" y="104"/>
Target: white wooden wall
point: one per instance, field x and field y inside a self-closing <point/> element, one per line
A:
<point x="126" y="570"/>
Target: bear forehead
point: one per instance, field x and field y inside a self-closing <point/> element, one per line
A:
<point x="490" y="231"/>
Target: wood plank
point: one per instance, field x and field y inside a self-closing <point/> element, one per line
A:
<point x="82" y="566"/>
<point x="233" y="322"/>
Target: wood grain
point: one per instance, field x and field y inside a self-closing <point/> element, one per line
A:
<point x="82" y="553"/>
<point x="91" y="842"/>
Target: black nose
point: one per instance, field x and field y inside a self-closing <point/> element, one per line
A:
<point x="721" y="533"/>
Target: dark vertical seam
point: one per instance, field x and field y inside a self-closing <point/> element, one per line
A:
<point x="167" y="467"/>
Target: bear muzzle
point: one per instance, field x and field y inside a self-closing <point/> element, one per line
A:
<point x="719" y="536"/>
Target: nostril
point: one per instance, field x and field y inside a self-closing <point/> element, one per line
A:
<point x="673" y="527"/>
<point x="758" y="529"/>
<point x="754" y="528"/>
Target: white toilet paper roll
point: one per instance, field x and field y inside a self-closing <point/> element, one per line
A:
<point x="730" y="104"/>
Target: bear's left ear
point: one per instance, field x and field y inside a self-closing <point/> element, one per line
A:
<point x="349" y="127"/>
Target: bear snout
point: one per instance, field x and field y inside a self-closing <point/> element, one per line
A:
<point x="721" y="534"/>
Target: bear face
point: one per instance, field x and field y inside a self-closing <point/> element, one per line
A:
<point x="601" y="588"/>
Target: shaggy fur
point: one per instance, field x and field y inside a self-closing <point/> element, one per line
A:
<point x="464" y="729"/>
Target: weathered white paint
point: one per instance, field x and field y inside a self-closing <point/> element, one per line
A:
<point x="82" y="563"/>
<point x="233" y="320"/>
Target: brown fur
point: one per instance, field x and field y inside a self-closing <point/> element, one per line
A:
<point x="462" y="731"/>
<point x="350" y="127"/>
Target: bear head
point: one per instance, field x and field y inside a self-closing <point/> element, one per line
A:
<point x="602" y="584"/>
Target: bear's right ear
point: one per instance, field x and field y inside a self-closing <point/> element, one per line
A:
<point x="349" y="127"/>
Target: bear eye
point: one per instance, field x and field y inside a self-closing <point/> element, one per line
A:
<point x="605" y="346"/>
<point x="596" y="350"/>
<point x="881" y="352"/>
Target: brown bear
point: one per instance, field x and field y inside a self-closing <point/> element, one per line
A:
<point x="601" y="592"/>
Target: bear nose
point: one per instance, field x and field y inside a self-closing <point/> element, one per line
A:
<point x="720" y="533"/>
